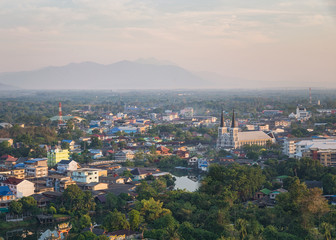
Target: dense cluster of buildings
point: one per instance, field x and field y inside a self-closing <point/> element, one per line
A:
<point x="50" y="176"/>
<point x="321" y="149"/>
<point x="34" y="178"/>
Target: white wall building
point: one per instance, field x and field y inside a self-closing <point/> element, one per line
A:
<point x="85" y="175"/>
<point x="318" y="144"/>
<point x="67" y="165"/>
<point x="19" y="187"/>
<point x="289" y="148"/>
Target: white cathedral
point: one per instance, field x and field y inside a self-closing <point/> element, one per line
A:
<point x="232" y="138"/>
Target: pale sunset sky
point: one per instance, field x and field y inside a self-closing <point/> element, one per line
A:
<point x="264" y="40"/>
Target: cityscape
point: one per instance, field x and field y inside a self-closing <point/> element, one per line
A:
<point x="167" y="120"/>
<point x="153" y="165"/>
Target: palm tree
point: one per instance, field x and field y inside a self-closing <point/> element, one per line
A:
<point x="326" y="229"/>
<point x="241" y="226"/>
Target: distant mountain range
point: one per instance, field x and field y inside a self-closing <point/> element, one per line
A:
<point x="5" y="87"/>
<point x="140" y="74"/>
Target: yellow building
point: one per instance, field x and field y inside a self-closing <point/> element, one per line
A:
<point x="56" y="155"/>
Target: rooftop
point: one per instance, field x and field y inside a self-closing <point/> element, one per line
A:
<point x="253" y="135"/>
<point x="12" y="181"/>
<point x="5" y="191"/>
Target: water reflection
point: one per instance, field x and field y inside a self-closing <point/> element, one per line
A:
<point x="190" y="183"/>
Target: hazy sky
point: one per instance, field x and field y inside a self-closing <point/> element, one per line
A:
<point x="267" y="40"/>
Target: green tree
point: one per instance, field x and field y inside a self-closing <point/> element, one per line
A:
<point x="134" y="219"/>
<point x="151" y="209"/>
<point x="84" y="221"/>
<point x="52" y="210"/>
<point x="329" y="183"/>
<point x="115" y="221"/>
<point x="241" y="226"/>
<point x="65" y="145"/>
<point x="96" y="143"/>
<point x="111" y="201"/>
<point x="145" y="191"/>
<point x="29" y="204"/>
<point x="15" y="207"/>
<point x="77" y="201"/>
<point x="326" y="229"/>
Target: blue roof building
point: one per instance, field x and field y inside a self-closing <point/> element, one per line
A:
<point x="6" y="196"/>
<point x="5" y="191"/>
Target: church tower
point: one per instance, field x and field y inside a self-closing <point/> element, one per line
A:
<point x="221" y="131"/>
<point x="234" y="131"/>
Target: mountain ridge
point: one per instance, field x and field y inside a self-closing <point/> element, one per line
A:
<point x="120" y="75"/>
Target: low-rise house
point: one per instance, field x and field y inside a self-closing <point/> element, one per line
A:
<point x="141" y="173"/>
<point x="59" y="182"/>
<point x="70" y="142"/>
<point x="203" y="164"/>
<point x="193" y="161"/>
<point x="67" y="165"/>
<point x="262" y="193"/>
<point x="85" y="175"/>
<point x="5" y="157"/>
<point x="10" y="162"/>
<point x="19" y="187"/>
<point x="117" y="189"/>
<point x="93" y="186"/>
<point x="96" y="153"/>
<point x="162" y="150"/>
<point x="275" y="193"/>
<point x="280" y="179"/>
<point x="124" y="155"/>
<point x="41" y="200"/>
<point x="6" y="196"/>
<point x="182" y="154"/>
<point x="112" y="180"/>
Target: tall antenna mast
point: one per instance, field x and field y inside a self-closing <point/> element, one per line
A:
<point x="310" y="97"/>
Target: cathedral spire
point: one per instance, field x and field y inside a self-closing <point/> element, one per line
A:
<point x="234" y="124"/>
<point x="222" y="123"/>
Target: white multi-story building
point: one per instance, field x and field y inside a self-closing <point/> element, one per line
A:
<point x="316" y="144"/>
<point x="289" y="148"/>
<point x="85" y="175"/>
<point x="19" y="187"/>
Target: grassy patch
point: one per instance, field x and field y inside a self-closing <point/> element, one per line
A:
<point x="60" y="215"/>
<point x="9" y="225"/>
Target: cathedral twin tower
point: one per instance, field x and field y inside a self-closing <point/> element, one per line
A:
<point x="232" y="138"/>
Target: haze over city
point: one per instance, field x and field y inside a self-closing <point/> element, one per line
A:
<point x="259" y="42"/>
<point x="168" y="119"/>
